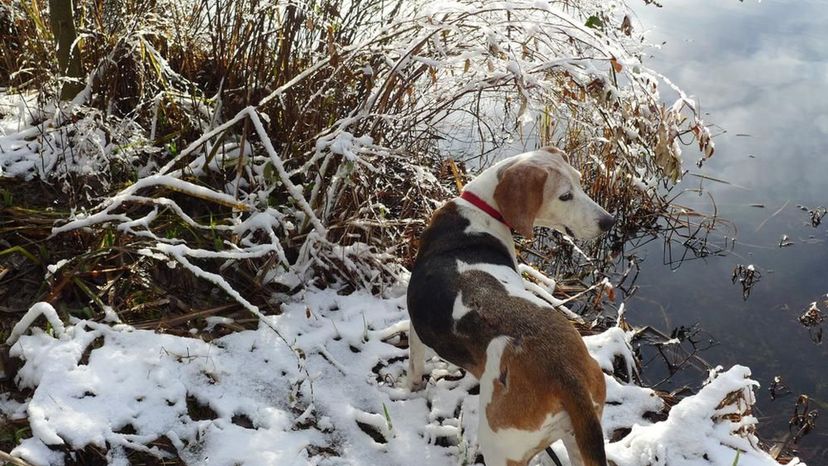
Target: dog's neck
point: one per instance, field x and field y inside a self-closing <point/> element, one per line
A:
<point x="483" y="186"/>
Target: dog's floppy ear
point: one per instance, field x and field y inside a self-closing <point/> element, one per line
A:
<point x="519" y="195"/>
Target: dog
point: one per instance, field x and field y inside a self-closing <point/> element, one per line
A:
<point x="468" y="304"/>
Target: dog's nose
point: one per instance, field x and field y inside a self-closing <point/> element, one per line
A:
<point x="606" y="222"/>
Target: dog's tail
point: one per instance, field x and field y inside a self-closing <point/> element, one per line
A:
<point x="588" y="433"/>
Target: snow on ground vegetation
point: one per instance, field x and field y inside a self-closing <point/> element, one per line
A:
<point x="330" y="389"/>
<point x="323" y="382"/>
<point x="36" y="142"/>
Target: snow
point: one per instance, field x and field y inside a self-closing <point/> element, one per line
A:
<point x="348" y="146"/>
<point x="128" y="194"/>
<point x="300" y="398"/>
<point x="11" y="408"/>
<point x="53" y="268"/>
<point x="296" y="390"/>
<point x="606" y="345"/>
<point x="39" y="309"/>
<point x="212" y="321"/>
<point x="32" y="144"/>
<point x="700" y="429"/>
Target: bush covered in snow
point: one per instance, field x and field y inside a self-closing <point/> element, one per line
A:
<point x="278" y="159"/>
<point x="327" y="127"/>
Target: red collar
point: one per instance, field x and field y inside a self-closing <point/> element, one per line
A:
<point x="485" y="207"/>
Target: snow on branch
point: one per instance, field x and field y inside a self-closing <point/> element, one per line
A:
<point x="331" y="175"/>
<point x="39" y="309"/>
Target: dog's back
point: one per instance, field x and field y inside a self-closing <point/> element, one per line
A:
<point x="435" y="283"/>
<point x="460" y="301"/>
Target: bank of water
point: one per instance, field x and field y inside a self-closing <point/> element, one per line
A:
<point x="760" y="71"/>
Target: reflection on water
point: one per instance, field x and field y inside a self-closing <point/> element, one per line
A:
<point x="760" y="70"/>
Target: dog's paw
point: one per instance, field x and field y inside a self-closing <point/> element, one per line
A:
<point x="415" y="384"/>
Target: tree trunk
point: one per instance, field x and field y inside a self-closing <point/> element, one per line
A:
<point x="69" y="59"/>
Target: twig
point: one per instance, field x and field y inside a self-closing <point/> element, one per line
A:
<point x="13" y="459"/>
<point x="759" y="227"/>
<point x="181" y="319"/>
<point x="694" y="359"/>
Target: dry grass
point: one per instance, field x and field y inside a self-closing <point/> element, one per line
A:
<point x="313" y="72"/>
<point x="172" y="73"/>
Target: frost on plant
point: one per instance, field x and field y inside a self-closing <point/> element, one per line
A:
<point x="343" y="196"/>
<point x="271" y="168"/>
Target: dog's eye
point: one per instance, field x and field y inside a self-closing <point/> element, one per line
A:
<point x="566" y="197"/>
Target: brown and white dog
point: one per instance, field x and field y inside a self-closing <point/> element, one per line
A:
<point x="467" y="302"/>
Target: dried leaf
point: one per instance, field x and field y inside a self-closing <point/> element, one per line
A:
<point x="615" y="65"/>
<point x="332" y="47"/>
<point x="626" y="25"/>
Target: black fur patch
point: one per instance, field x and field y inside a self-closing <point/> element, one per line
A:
<point x="435" y="280"/>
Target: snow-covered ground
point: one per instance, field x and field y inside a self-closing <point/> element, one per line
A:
<point x="329" y="388"/>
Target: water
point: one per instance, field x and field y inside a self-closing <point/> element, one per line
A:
<point x="761" y="72"/>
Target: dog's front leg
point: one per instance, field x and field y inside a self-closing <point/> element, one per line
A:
<point x="416" y="360"/>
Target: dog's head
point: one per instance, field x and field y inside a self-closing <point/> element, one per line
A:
<point x="541" y="188"/>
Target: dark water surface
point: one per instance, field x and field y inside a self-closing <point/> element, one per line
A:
<point x="761" y="72"/>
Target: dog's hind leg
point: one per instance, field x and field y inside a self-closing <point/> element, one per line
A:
<point x="416" y="360"/>
<point x="575" y="458"/>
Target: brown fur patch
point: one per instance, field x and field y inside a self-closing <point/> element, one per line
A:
<point x="519" y="195"/>
<point x="539" y="384"/>
<point x="448" y="209"/>
<point x="522" y="402"/>
<point x="478" y="354"/>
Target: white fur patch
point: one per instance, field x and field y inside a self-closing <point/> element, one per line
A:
<point x="459" y="309"/>
<point x="510" y="279"/>
<point x="481" y="222"/>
